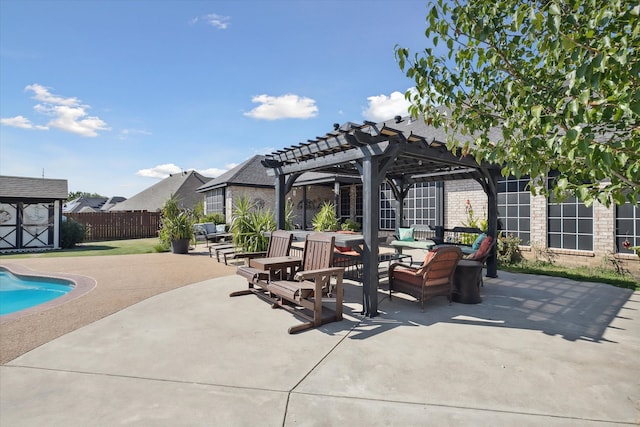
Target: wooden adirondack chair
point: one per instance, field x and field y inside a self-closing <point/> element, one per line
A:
<point x="311" y="287"/>
<point x="279" y="245"/>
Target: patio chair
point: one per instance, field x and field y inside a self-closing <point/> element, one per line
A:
<point x="434" y="277"/>
<point x="311" y="287"/>
<point x="279" y="245"/>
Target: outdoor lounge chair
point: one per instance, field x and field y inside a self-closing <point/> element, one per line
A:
<point x="434" y="277"/>
<point x="311" y="286"/>
<point x="279" y="245"/>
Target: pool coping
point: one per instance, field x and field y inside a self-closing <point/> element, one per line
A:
<point x="81" y="286"/>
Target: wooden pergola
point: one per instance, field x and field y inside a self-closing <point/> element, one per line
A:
<point x="402" y="152"/>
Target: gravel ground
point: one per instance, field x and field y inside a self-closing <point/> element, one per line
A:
<point x="122" y="280"/>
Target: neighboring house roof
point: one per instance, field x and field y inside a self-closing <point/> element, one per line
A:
<point x="17" y="187"/>
<point x="84" y="204"/>
<point x="249" y="173"/>
<point x="112" y="201"/>
<point x="181" y="185"/>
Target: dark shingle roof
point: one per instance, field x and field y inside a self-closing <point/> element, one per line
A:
<point x="33" y="188"/>
<point x="250" y="173"/>
<point x="182" y="185"/>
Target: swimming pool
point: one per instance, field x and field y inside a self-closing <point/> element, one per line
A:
<point x="19" y="292"/>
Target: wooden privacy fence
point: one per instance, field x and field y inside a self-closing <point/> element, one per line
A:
<point x="117" y="225"/>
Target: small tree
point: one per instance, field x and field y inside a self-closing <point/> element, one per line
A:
<point x="558" y="78"/>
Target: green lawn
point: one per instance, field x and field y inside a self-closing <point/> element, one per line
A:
<point x="113" y="247"/>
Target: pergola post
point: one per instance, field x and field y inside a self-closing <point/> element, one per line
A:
<point x="281" y="192"/>
<point x="371" y="199"/>
<point x="492" y="216"/>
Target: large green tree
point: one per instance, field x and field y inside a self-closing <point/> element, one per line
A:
<point x="559" y="78"/>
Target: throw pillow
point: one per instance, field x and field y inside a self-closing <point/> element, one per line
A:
<point x="485" y="246"/>
<point x="478" y="241"/>
<point x="220" y="228"/>
<point x="406" y="234"/>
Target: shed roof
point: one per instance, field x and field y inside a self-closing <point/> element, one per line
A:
<point x="18" y="187"/>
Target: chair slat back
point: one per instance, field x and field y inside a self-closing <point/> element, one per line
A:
<point x="318" y="251"/>
<point x="443" y="263"/>
<point x="279" y="244"/>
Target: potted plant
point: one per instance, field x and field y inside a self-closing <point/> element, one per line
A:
<point x="177" y="226"/>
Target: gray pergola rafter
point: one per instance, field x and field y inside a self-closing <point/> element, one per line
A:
<point x="401" y="152"/>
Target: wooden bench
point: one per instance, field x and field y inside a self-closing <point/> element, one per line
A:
<point x="311" y="289"/>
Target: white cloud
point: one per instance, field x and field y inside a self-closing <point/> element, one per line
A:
<point x="217" y="21"/>
<point x="125" y="133"/>
<point x="68" y="114"/>
<point x="384" y="107"/>
<point x="160" y="171"/>
<point x="21" y="122"/>
<point x="287" y="106"/>
<point x="215" y="172"/>
<point x="163" y="171"/>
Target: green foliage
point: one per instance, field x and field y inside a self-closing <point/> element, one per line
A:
<point x="177" y="223"/>
<point x="325" y="219"/>
<point x="77" y="194"/>
<point x="71" y="233"/>
<point x="288" y="215"/>
<point x="472" y="222"/>
<point x="560" y="79"/>
<point x="216" y="218"/>
<point x="249" y="225"/>
<point x="351" y="225"/>
<point x="508" y="249"/>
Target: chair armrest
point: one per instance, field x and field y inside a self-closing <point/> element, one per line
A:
<point x="251" y="255"/>
<point x="312" y="274"/>
<point x="399" y="264"/>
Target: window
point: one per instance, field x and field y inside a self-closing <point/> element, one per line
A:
<point x="627" y="226"/>
<point x="345" y="203"/>
<point x="359" y="204"/>
<point x="514" y="207"/>
<point x="421" y="204"/>
<point x="215" y="201"/>
<point x="570" y="225"/>
<point x="387" y="212"/>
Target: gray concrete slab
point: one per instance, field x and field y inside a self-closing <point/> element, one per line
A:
<point x="537" y="351"/>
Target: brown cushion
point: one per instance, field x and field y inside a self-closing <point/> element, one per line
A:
<point x="427" y="258"/>
<point x="407" y="275"/>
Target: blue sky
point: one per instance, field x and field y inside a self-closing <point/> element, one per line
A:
<point x="114" y="95"/>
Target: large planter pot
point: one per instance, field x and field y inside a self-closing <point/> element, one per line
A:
<point x="180" y="246"/>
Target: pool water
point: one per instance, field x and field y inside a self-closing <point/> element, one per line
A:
<point x="22" y="292"/>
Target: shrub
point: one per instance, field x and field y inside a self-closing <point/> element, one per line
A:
<point x="216" y="218"/>
<point x="249" y="226"/>
<point x="325" y="219"/>
<point x="508" y="249"/>
<point x="351" y="225"/>
<point x="71" y="233"/>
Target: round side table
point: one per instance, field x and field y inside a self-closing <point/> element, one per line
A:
<point x="466" y="282"/>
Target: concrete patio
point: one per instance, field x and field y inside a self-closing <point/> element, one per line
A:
<point x="537" y="351"/>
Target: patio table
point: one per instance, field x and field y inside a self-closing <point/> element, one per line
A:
<point x="284" y="263"/>
<point x="466" y="282"/>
